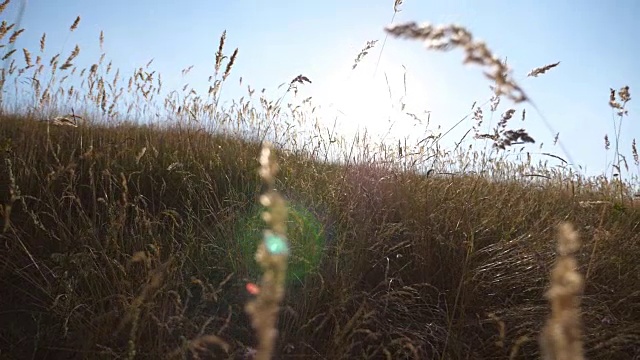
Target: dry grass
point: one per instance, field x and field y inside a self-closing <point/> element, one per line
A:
<point x="561" y="337"/>
<point x="122" y="240"/>
<point x="449" y="37"/>
<point x="272" y="255"/>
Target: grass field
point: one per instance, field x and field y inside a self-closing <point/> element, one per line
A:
<point x="130" y="239"/>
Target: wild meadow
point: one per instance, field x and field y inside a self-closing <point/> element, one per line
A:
<point x="246" y="230"/>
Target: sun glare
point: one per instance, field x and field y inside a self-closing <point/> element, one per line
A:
<point x="375" y="100"/>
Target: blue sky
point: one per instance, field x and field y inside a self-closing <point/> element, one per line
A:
<point x="595" y="41"/>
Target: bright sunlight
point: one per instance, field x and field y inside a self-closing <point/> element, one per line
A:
<point x="378" y="100"/>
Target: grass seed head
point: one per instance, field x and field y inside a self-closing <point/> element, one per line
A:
<point x="27" y="57"/>
<point x="561" y="336"/>
<point x="15" y="36"/>
<point x="43" y="41"/>
<point x="4" y="5"/>
<point x="219" y="53"/>
<point x="75" y="24"/>
<point x="449" y="37"/>
<point x="541" y="70"/>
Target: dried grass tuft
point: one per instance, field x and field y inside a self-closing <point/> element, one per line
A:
<point x="561" y="336"/>
<point x="27" y="58"/>
<point x="75" y="24"/>
<point x="43" y="41"/>
<point x="4" y="29"/>
<point x="396" y="5"/>
<point x="15" y="36"/>
<point x="272" y="255"/>
<point x="365" y="50"/>
<point x="623" y="97"/>
<point x="8" y="54"/>
<point x="232" y="60"/>
<point x="4" y="5"/>
<point x="219" y="54"/>
<point x="449" y="37"/>
<point x="541" y="70"/>
<point x="300" y="79"/>
<point x="69" y="62"/>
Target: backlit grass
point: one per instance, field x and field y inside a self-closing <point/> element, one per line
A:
<point x="144" y="239"/>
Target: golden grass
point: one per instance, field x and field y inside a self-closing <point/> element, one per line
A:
<point x="561" y="337"/>
<point x="449" y="37"/>
<point x="272" y="255"/>
<point x="543" y="69"/>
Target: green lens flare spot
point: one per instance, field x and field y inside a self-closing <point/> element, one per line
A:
<point x="303" y="243"/>
<point x="276" y="244"/>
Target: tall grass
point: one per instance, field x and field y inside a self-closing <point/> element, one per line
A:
<point x="128" y="234"/>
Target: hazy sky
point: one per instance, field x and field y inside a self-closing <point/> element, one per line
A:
<point x="596" y="42"/>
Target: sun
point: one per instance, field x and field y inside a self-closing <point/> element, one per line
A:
<point x="370" y="99"/>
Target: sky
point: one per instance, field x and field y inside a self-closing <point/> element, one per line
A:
<point x="595" y="41"/>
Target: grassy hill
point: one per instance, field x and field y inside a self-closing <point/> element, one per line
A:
<point x="108" y="235"/>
